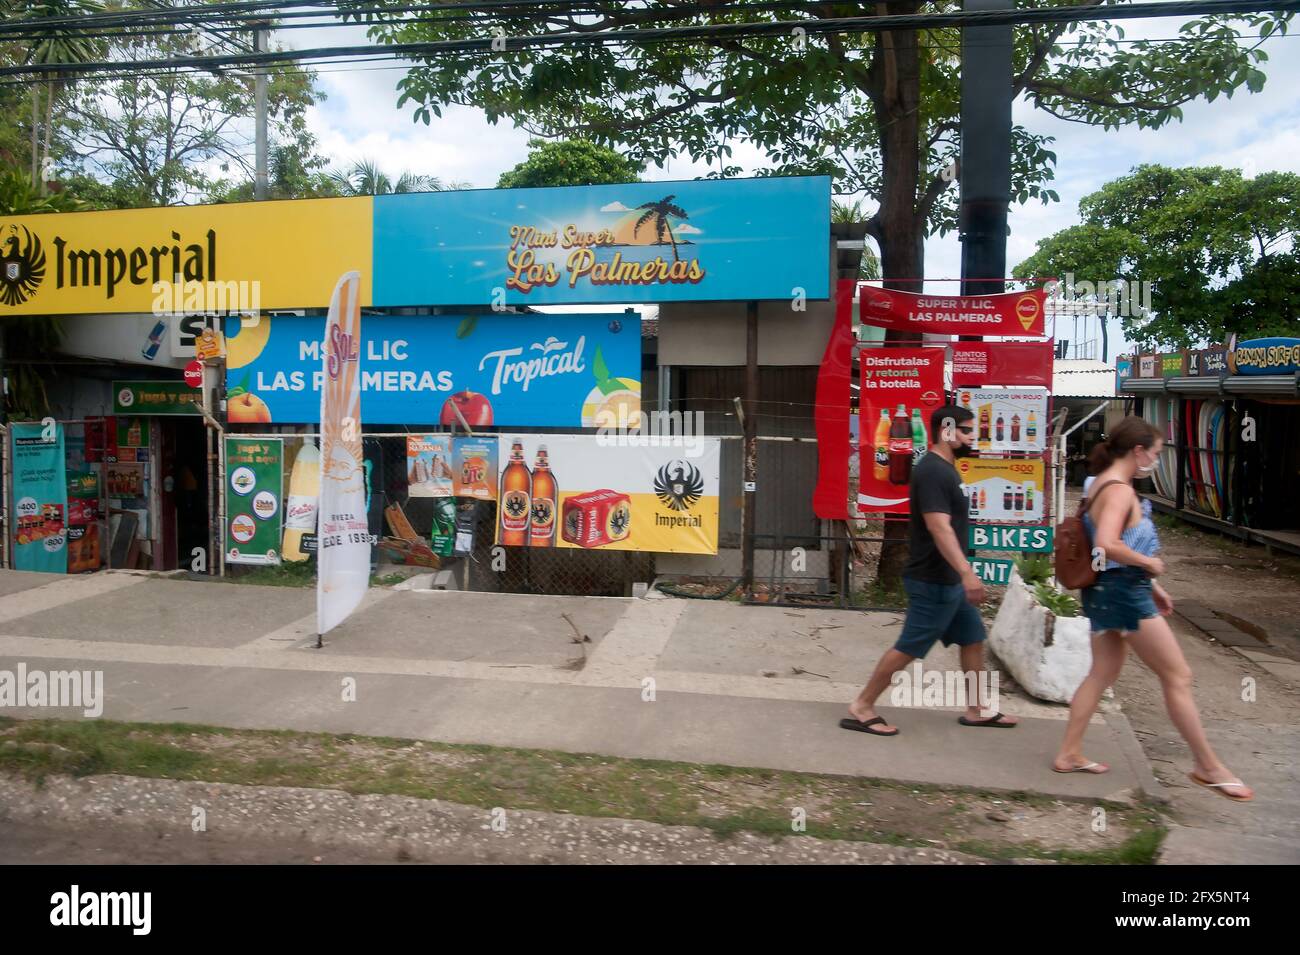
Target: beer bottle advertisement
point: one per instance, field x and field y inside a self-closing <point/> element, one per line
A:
<point x="1007" y="418"/>
<point x="900" y="389"/>
<point x="609" y="492"/>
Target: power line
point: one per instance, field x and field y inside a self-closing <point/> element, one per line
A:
<point x="716" y="31"/>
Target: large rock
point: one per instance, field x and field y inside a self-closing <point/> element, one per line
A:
<point x="1047" y="655"/>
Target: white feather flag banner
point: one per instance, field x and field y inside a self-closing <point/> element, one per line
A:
<point x="343" y="571"/>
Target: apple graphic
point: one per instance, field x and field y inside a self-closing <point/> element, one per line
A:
<point x="247" y="408"/>
<point x="474" y="408"/>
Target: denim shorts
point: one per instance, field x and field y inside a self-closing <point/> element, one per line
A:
<point x="938" y="612"/>
<point x="1120" y="600"/>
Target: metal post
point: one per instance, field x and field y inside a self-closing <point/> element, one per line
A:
<point x="259" y="100"/>
<point x="751" y="447"/>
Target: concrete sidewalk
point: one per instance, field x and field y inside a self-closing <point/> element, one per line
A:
<point x="698" y="682"/>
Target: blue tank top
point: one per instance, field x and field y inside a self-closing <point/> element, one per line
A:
<point x="1141" y="538"/>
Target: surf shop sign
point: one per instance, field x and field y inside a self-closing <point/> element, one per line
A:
<point x="1264" y="356"/>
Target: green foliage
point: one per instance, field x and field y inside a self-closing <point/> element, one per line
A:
<point x="1218" y="250"/>
<point x="1034" y="568"/>
<point x="1057" y="602"/>
<point x="365" y="178"/>
<point x="570" y="162"/>
<point x="18" y="196"/>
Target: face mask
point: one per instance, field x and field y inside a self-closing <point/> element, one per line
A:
<point x="1144" y="470"/>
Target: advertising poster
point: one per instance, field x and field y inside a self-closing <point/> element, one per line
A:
<point x="1210" y="362"/>
<point x="429" y="465"/>
<point x="83" y="521"/>
<point x="1013" y="364"/>
<point x="837" y="429"/>
<point x="901" y="388"/>
<point x="568" y="490"/>
<point x="343" y="540"/>
<point x="1005" y="314"/>
<point x="254" y="504"/>
<point x="1006" y="491"/>
<point x="1007" y="419"/>
<point x="1264" y="356"/>
<point x="40" y="499"/>
<point x="124" y="480"/>
<point x="155" y="398"/>
<point x="470" y="371"/>
<point x="710" y="240"/>
<point x="474" y="468"/>
<point x="442" y="534"/>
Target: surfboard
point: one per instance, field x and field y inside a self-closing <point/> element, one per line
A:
<point x="1208" y="408"/>
<point x="1218" y="431"/>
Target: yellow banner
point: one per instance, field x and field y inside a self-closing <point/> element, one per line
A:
<point x="236" y="257"/>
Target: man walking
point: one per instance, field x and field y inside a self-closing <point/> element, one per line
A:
<point x="943" y="593"/>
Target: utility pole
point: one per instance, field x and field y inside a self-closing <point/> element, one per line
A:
<point x="259" y="105"/>
<point x="985" y="151"/>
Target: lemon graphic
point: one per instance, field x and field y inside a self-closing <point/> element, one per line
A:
<point x="617" y="408"/>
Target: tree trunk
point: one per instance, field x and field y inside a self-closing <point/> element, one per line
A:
<point x="901" y="231"/>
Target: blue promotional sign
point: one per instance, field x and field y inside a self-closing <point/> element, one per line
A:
<point x="731" y="239"/>
<point x="1264" y="356"/>
<point x="550" y="370"/>
<point x="40" y="501"/>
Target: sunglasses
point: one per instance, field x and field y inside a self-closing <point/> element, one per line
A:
<point x="965" y="429"/>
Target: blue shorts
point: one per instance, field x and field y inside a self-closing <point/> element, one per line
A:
<point x="938" y="612"/>
<point x="1120" y="600"/>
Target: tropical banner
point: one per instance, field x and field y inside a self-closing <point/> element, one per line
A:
<point x="343" y="555"/>
<point x="1005" y="314"/>
<point x="901" y="388"/>
<point x="476" y="371"/>
<point x="254" y="504"/>
<point x="40" y="499"/>
<point x="590" y="491"/>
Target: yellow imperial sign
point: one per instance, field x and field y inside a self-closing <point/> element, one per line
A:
<point x="125" y="261"/>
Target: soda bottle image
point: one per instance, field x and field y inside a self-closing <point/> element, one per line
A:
<point x="1007" y="499"/>
<point x="516" y="498"/>
<point x="1020" y="501"/>
<point x="541" y="532"/>
<point x="984" y="424"/>
<point x="974" y="496"/>
<point x="150" y="349"/>
<point x="984" y="499"/>
<point x="900" y="447"/>
<point x="1031" y="430"/>
<point x="882" y="446"/>
<point x="998" y="431"/>
<point x="1029" y="496"/>
<point x="918" y="436"/>
<point x="1015" y="428"/>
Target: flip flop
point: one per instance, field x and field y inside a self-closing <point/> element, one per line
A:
<point x="1093" y="769"/>
<point x="992" y="721"/>
<point x="852" y="724"/>
<point x="1218" y="787"/>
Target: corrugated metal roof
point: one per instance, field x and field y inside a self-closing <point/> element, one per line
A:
<point x="1082" y="378"/>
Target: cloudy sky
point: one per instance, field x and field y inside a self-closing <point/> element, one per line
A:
<point x="1259" y="132"/>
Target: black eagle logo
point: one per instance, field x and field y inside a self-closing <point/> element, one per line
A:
<point x="679" y="485"/>
<point x="22" y="265"/>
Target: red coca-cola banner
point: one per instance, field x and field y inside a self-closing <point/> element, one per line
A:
<point x="831" y="413"/>
<point x="901" y="388"/>
<point x="1014" y="364"/>
<point x="1006" y="314"/>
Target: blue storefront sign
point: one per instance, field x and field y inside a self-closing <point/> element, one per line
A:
<point x="734" y="239"/>
<point x="40" y="498"/>
<point x="490" y="370"/>
<point x="1264" y="356"/>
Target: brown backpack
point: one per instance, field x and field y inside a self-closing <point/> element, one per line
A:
<point x="1073" y="556"/>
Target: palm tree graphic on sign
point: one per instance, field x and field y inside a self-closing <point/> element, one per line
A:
<point x="658" y="213"/>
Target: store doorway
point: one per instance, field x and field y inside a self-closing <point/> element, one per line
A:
<point x="184" y="492"/>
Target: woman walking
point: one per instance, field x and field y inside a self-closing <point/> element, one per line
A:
<point x="1126" y="607"/>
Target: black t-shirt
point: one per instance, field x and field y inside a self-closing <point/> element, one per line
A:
<point x="935" y="487"/>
